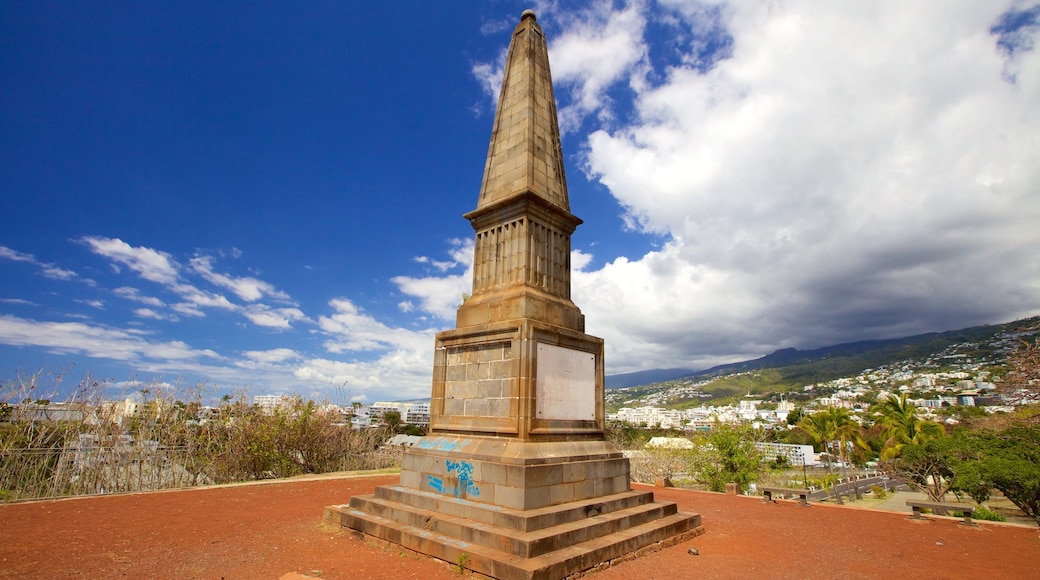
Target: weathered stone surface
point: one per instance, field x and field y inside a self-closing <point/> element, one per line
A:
<point x="566" y="539"/>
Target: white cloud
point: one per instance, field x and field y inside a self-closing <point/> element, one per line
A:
<point x="851" y="171"/>
<point x="276" y="355"/>
<point x="442" y="295"/>
<point x="489" y="75"/>
<point x="49" y="270"/>
<point x="387" y="362"/>
<point x="55" y="273"/>
<point x="820" y="172"/>
<point x="399" y="375"/>
<point x="266" y="316"/>
<point x="19" y="301"/>
<point x="187" y="309"/>
<point x="149" y="313"/>
<point x="158" y="266"/>
<point x="135" y="295"/>
<point x="204" y="298"/>
<point x="598" y="47"/>
<point x="150" y="264"/>
<point x="351" y="329"/>
<point x="246" y="288"/>
<point x="94" y="341"/>
<point x="9" y="254"/>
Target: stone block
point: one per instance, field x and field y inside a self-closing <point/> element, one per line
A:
<point x="498" y="407"/>
<point x="479" y="371"/>
<point x="585" y="489"/>
<point x="510" y="497"/>
<point x="503" y="369"/>
<point x="494" y="473"/>
<point x="454" y="407"/>
<point x="462" y="390"/>
<point x="540" y="475"/>
<point x="537" y="497"/>
<point x="490" y="353"/>
<point x="561" y="493"/>
<point x="455" y="372"/>
<point x="574" y="471"/>
<point x="410" y="479"/>
<point x="492" y="388"/>
<point x="475" y="407"/>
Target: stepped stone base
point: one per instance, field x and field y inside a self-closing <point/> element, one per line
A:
<point x="517" y="510"/>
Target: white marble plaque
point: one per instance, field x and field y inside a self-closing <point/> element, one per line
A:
<point x="566" y="384"/>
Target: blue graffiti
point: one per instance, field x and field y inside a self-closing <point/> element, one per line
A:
<point x="441" y="444"/>
<point x="463" y="470"/>
<point x="435" y="483"/>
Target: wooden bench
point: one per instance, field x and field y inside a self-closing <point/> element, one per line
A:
<point x="767" y="494"/>
<point x="917" y="505"/>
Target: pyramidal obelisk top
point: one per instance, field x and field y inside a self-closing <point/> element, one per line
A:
<point x="523" y="222"/>
<point x="525" y="156"/>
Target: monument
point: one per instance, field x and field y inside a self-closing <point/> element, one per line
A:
<point x="515" y="479"/>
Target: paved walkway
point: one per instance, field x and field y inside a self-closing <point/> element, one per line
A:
<point x="896" y="502"/>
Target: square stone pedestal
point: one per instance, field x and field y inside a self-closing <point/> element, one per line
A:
<point x="517" y="509"/>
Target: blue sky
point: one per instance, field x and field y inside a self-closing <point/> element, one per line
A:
<point x="269" y="196"/>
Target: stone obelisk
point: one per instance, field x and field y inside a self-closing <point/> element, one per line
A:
<point x="515" y="477"/>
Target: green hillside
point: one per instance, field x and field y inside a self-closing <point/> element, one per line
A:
<point x="790" y="369"/>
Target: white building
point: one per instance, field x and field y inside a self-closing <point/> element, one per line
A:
<point x="797" y="455"/>
<point x="417" y="414"/>
<point x="410" y="413"/>
<point x="268" y="403"/>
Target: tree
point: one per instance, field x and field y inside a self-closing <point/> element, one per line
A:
<point x="847" y="434"/>
<point x="820" y="429"/>
<point x="834" y="427"/>
<point x="1023" y="364"/>
<point x="727" y="455"/>
<point x="652" y="464"/>
<point x="392" y="419"/>
<point x="926" y="466"/>
<point x="1007" y="460"/>
<point x="794" y="416"/>
<point x="902" y="426"/>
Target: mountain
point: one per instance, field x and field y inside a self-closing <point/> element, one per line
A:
<point x="792" y="368"/>
<point x="646" y="377"/>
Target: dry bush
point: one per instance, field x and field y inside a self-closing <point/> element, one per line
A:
<point x="86" y="445"/>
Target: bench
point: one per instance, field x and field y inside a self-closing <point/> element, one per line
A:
<point x="917" y="505"/>
<point x="767" y="494"/>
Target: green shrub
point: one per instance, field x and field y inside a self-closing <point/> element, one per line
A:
<point x="982" y="513"/>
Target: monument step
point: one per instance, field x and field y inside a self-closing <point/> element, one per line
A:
<point x="526" y="544"/>
<point x="521" y="520"/>
<point x="496" y="563"/>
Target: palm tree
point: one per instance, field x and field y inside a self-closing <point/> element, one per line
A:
<point x="820" y="429"/>
<point x="902" y="426"/>
<point x="846" y="431"/>
<point x="834" y="427"/>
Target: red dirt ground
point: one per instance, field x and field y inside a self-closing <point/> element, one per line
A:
<point x="274" y="530"/>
